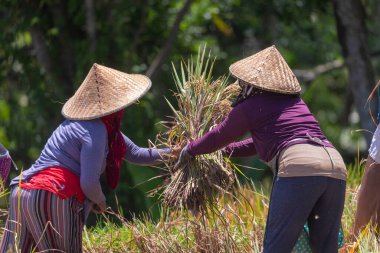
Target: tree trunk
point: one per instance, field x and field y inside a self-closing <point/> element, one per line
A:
<point x="66" y="72"/>
<point x="378" y="13"/>
<point x="169" y="42"/>
<point x="136" y="37"/>
<point x="41" y="51"/>
<point x="353" y="37"/>
<point x="90" y="23"/>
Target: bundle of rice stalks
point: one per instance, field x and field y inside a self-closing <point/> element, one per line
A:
<point x="202" y="103"/>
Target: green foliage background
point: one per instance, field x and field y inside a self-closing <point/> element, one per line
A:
<point x="129" y="34"/>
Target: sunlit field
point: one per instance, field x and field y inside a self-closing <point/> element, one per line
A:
<point x="235" y="224"/>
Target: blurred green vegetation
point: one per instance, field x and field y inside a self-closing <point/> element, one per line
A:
<point x="48" y="46"/>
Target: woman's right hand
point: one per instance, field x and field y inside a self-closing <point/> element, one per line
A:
<point x="184" y="157"/>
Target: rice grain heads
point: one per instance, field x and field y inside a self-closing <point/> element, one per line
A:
<point x="202" y="103"/>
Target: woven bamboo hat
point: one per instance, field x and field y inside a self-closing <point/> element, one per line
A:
<point x="103" y="92"/>
<point x="267" y="70"/>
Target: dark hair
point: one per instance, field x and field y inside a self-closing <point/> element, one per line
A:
<point x="253" y="90"/>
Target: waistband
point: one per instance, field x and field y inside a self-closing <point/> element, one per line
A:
<point x="316" y="140"/>
<point x="273" y="163"/>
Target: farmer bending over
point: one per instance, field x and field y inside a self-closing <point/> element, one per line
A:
<point x="62" y="186"/>
<point x="310" y="179"/>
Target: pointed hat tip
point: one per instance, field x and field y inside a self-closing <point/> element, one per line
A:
<point x="273" y="47"/>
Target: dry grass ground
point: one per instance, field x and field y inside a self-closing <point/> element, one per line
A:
<point x="236" y="224"/>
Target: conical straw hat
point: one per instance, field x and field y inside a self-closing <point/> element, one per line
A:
<point x="103" y="92"/>
<point x="267" y="70"/>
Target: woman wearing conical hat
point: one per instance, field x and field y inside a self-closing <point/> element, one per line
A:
<point x="62" y="186"/>
<point x="310" y="179"/>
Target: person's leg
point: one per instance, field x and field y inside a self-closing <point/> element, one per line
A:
<point x="325" y="219"/>
<point x="16" y="236"/>
<point x="68" y="219"/>
<point x="292" y="200"/>
<point x="368" y="205"/>
<point x="55" y="224"/>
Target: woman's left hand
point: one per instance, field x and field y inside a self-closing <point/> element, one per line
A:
<point x="99" y="208"/>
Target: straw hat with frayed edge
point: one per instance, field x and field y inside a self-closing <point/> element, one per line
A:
<point x="267" y="70"/>
<point x="103" y="92"/>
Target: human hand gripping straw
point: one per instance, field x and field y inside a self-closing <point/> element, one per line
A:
<point x="184" y="157"/>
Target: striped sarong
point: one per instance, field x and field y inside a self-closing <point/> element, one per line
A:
<point x="41" y="221"/>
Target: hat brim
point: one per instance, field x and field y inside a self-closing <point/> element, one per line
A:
<point x="266" y="70"/>
<point x="264" y="88"/>
<point x="140" y="84"/>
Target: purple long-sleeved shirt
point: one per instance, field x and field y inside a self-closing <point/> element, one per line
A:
<point x="275" y="121"/>
<point x="82" y="147"/>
